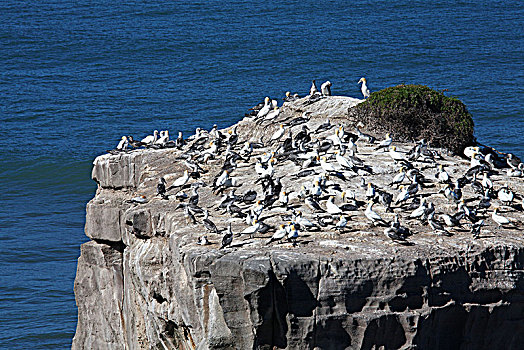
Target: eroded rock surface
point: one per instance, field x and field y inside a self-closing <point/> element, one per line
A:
<point x="143" y="282"/>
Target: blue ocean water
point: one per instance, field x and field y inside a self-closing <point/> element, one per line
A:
<point x="75" y="76"/>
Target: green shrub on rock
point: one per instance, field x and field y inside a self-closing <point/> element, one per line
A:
<point x="413" y="112"/>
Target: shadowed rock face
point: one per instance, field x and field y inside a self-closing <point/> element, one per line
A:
<point x="142" y="281"/>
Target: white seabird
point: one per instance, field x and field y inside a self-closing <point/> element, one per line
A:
<point x="265" y="110"/>
<point x="279" y="133"/>
<point x="331" y="207"/>
<point x="499" y="219"/>
<point x="364" y="88"/>
<point x="280" y="233"/>
<point x="181" y="181"/>
<point x="327" y="167"/>
<point x="150" y="139"/>
<point x="273" y="114"/>
<point x="326" y="88"/>
<point x="386" y="142"/>
<point x="372" y="215"/>
<point x="395" y="155"/>
<point x="122" y="145"/>
<point x="342" y="223"/>
<point x="251" y="230"/>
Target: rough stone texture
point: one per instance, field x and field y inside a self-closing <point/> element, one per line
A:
<point x="354" y="290"/>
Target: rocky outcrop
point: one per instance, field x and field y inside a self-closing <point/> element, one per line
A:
<point x="142" y="281"/>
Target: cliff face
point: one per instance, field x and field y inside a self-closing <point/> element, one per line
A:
<point x="142" y="281"/>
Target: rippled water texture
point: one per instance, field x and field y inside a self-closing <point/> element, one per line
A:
<point x="75" y="76"/>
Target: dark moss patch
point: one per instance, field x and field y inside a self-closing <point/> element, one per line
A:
<point x="412" y="112"/>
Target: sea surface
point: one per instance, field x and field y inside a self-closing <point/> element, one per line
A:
<point x="77" y="75"/>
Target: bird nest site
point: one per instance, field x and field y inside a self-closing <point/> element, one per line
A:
<point x="307" y="176"/>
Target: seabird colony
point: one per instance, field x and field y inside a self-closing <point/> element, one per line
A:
<point x="309" y="178"/>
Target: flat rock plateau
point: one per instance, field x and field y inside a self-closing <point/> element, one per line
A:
<point x="143" y="282"/>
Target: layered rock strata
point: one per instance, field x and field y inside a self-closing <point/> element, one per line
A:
<point x="142" y="281"/>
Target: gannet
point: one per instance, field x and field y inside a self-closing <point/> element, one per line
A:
<point x="228" y="237"/>
<point x="511" y="161"/>
<point x="326" y="88"/>
<point x="436" y="225"/>
<point x="179" y="142"/>
<point x="181" y="181"/>
<point x="452" y="220"/>
<point x="342" y="223"/>
<point x="335" y="138"/>
<point x="251" y="230"/>
<point x="122" y="145"/>
<point x="486" y="182"/>
<point x="396" y="156"/>
<point x="468" y="151"/>
<point x="397" y="180"/>
<point x="279" y="133"/>
<point x="385" y="143"/>
<point x="164" y="137"/>
<point x="150" y="139"/>
<point x="273" y="114"/>
<point x="516" y="172"/>
<point x="331" y="207"/>
<point x="505" y="195"/>
<point x="499" y="219"/>
<point x="485" y="202"/>
<point x="364" y="88"/>
<point x="313" y="89"/>
<point x="419" y="212"/>
<point x="366" y="137"/>
<point x="280" y="233"/>
<point x="302" y="221"/>
<point x="161" y="188"/>
<point x="327" y="167"/>
<point x="292" y="234"/>
<point x="351" y="146"/>
<point x="370" y="192"/>
<point x="222" y="179"/>
<point x="343" y="162"/>
<point x="312" y="204"/>
<point x="283" y="198"/>
<point x="442" y="175"/>
<point x="403" y="195"/>
<point x="257" y="208"/>
<point x="372" y="215"/>
<point x="265" y="110"/>
<point x="209" y="225"/>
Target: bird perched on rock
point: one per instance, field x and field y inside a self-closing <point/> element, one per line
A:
<point x="313" y="90"/>
<point x="364" y="87"/>
<point x="326" y="88"/>
<point x="228" y="237"/>
<point x="161" y="188"/>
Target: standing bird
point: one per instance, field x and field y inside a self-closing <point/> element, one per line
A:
<point x="372" y="215"/>
<point x="228" y="238"/>
<point x="181" y="181"/>
<point x="161" y="188"/>
<point x="499" y="219"/>
<point x="364" y="88"/>
<point x="385" y="143"/>
<point x="313" y="90"/>
<point x="264" y="110"/>
<point x="326" y="88"/>
<point x="122" y="145"/>
<point x="277" y="135"/>
<point x="278" y="235"/>
<point x="210" y="225"/>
